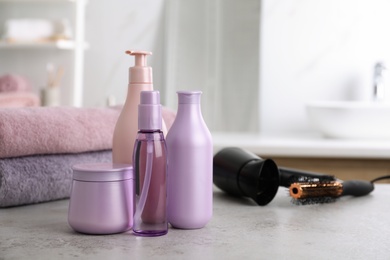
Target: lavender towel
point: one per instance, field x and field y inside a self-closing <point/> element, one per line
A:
<point x="40" y="178"/>
<point x="59" y="130"/>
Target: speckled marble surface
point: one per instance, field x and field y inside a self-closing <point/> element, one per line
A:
<point x="350" y="228"/>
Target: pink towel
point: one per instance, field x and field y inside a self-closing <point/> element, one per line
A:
<point x="19" y="99"/>
<point x="12" y="82"/>
<point x="54" y="130"/>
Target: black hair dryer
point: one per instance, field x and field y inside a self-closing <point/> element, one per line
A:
<point x="242" y="173"/>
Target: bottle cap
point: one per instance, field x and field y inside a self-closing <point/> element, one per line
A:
<point x="189" y="97"/>
<point x="149" y="111"/>
<point x="140" y="73"/>
<point x="102" y="172"/>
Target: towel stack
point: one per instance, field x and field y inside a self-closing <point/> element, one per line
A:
<point x="16" y="91"/>
<point x="39" y="146"/>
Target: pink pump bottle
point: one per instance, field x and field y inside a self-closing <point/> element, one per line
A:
<point x="190" y="165"/>
<point x="150" y="169"/>
<point x="140" y="79"/>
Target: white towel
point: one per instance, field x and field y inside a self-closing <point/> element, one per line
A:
<point x="36" y="30"/>
<point x="28" y="29"/>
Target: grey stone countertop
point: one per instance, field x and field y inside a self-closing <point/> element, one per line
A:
<point x="350" y="228"/>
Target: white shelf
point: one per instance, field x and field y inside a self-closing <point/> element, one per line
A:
<point x="61" y="44"/>
<point x="76" y="46"/>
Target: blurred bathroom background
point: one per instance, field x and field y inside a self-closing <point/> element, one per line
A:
<point x="257" y="62"/>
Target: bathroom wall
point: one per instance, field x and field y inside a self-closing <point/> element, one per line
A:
<point x="213" y="46"/>
<point x="292" y="52"/>
<point x="207" y="45"/>
<point x="112" y="27"/>
<point x="317" y="50"/>
<point x="302" y="51"/>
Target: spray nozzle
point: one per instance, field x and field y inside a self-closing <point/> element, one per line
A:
<point x="149" y="111"/>
<point x="140" y="57"/>
<point x="140" y="73"/>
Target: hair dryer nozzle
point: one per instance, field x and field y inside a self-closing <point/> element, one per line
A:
<point x="242" y="173"/>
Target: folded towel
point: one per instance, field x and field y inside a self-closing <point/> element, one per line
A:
<point x="19" y="99"/>
<point x="28" y="29"/>
<point x="35" y="30"/>
<point x="40" y="178"/>
<point x="56" y="130"/>
<point x="13" y="82"/>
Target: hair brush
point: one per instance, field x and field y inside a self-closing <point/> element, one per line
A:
<point x="315" y="192"/>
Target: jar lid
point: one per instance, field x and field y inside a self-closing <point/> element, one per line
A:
<point x="102" y="172"/>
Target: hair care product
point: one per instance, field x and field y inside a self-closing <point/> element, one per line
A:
<point x="140" y="79"/>
<point x="190" y="165"/>
<point x="150" y="169"/>
<point x="101" y="200"/>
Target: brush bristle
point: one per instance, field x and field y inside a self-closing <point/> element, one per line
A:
<point x="311" y="201"/>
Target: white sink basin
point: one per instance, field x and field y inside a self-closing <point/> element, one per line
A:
<point x="350" y="119"/>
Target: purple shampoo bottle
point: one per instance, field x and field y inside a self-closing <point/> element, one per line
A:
<point x="190" y="165"/>
<point x="150" y="169"/>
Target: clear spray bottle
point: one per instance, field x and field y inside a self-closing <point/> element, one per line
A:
<point x="150" y="169"/>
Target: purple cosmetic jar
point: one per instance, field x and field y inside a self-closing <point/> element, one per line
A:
<point x="101" y="200"/>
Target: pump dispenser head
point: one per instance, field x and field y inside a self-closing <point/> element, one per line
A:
<point x="140" y="73"/>
<point x="149" y="111"/>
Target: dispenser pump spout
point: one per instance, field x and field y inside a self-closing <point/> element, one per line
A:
<point x="140" y="57"/>
<point x="140" y="73"/>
